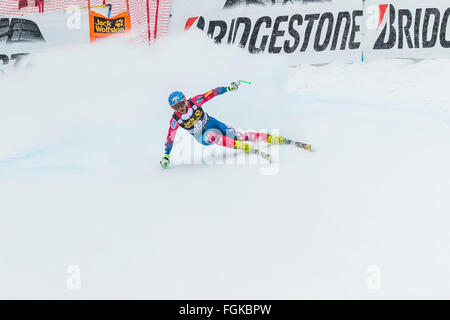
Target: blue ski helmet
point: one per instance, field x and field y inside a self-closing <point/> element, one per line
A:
<point x="176" y="97"/>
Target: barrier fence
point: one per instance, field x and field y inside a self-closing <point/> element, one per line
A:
<point x="149" y="18"/>
<point x="319" y="32"/>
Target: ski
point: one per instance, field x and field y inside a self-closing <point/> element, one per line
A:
<point x="299" y="144"/>
<point x="263" y="155"/>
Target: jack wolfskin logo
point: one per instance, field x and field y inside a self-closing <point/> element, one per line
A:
<point x="419" y="28"/>
<point x="19" y="30"/>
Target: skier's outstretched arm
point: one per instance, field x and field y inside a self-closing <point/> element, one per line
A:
<point x="169" y="142"/>
<point x="202" y="98"/>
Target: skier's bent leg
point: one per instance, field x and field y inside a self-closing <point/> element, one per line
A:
<point x="217" y="138"/>
<point x="253" y="136"/>
<point x="226" y="141"/>
<point x="229" y="131"/>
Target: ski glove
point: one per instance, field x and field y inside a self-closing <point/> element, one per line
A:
<point x="165" y="161"/>
<point x="233" y="86"/>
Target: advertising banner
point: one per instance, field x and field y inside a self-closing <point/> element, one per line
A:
<point x="313" y="33"/>
<point x="22" y="35"/>
<point x="407" y="29"/>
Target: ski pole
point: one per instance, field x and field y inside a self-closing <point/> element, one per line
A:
<point x="242" y="81"/>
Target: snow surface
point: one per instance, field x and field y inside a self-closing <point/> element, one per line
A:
<point x="82" y="133"/>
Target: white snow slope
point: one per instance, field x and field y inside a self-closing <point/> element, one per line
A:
<point x="366" y="215"/>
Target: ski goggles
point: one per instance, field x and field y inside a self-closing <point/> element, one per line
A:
<point x="179" y="104"/>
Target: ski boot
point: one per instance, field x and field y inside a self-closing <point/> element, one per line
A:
<point x="275" y="139"/>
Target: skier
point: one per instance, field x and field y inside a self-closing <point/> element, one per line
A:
<point x="207" y="130"/>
